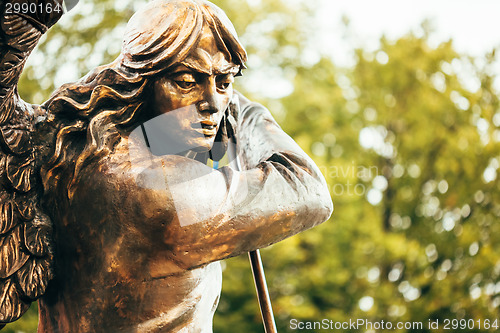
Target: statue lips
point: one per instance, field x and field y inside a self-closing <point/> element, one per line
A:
<point x="208" y="128"/>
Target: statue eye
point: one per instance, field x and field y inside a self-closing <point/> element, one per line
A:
<point x="185" y="84"/>
<point x="224" y="81"/>
<point x="185" y="80"/>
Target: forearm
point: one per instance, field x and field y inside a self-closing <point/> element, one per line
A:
<point x="279" y="193"/>
<point x="230" y="212"/>
<point x="277" y="203"/>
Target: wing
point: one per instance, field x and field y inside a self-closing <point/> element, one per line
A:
<point x="25" y="251"/>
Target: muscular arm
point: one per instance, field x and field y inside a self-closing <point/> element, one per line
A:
<point x="279" y="193"/>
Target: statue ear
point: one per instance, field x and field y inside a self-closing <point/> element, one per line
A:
<point x="227" y="130"/>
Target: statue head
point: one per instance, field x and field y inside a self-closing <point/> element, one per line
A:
<point x="192" y="54"/>
<point x="178" y="59"/>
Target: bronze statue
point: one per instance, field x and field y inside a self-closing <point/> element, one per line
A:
<point x="110" y="215"/>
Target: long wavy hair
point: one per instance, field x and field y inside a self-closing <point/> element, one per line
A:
<point x="92" y="113"/>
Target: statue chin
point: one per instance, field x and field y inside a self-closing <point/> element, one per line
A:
<point x="160" y="141"/>
<point x="190" y="150"/>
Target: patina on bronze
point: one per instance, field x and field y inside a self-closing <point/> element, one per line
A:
<point x="116" y="224"/>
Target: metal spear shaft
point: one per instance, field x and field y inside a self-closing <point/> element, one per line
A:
<point x="259" y="278"/>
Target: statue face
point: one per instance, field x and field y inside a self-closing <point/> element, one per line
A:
<point x="192" y="97"/>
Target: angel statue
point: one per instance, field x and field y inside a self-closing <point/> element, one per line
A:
<point x="112" y="215"/>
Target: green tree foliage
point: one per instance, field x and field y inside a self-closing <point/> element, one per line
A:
<point x="409" y="142"/>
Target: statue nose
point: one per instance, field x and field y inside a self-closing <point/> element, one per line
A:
<point x="210" y="100"/>
<point x="206" y="106"/>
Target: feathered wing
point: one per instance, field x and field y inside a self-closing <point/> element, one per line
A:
<point x="25" y="247"/>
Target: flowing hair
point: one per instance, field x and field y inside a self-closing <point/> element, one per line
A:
<point x="92" y="113"/>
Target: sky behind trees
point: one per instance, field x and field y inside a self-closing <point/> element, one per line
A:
<point x="472" y="26"/>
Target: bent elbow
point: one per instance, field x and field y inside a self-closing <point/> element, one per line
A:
<point x="325" y="204"/>
<point x="318" y="206"/>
